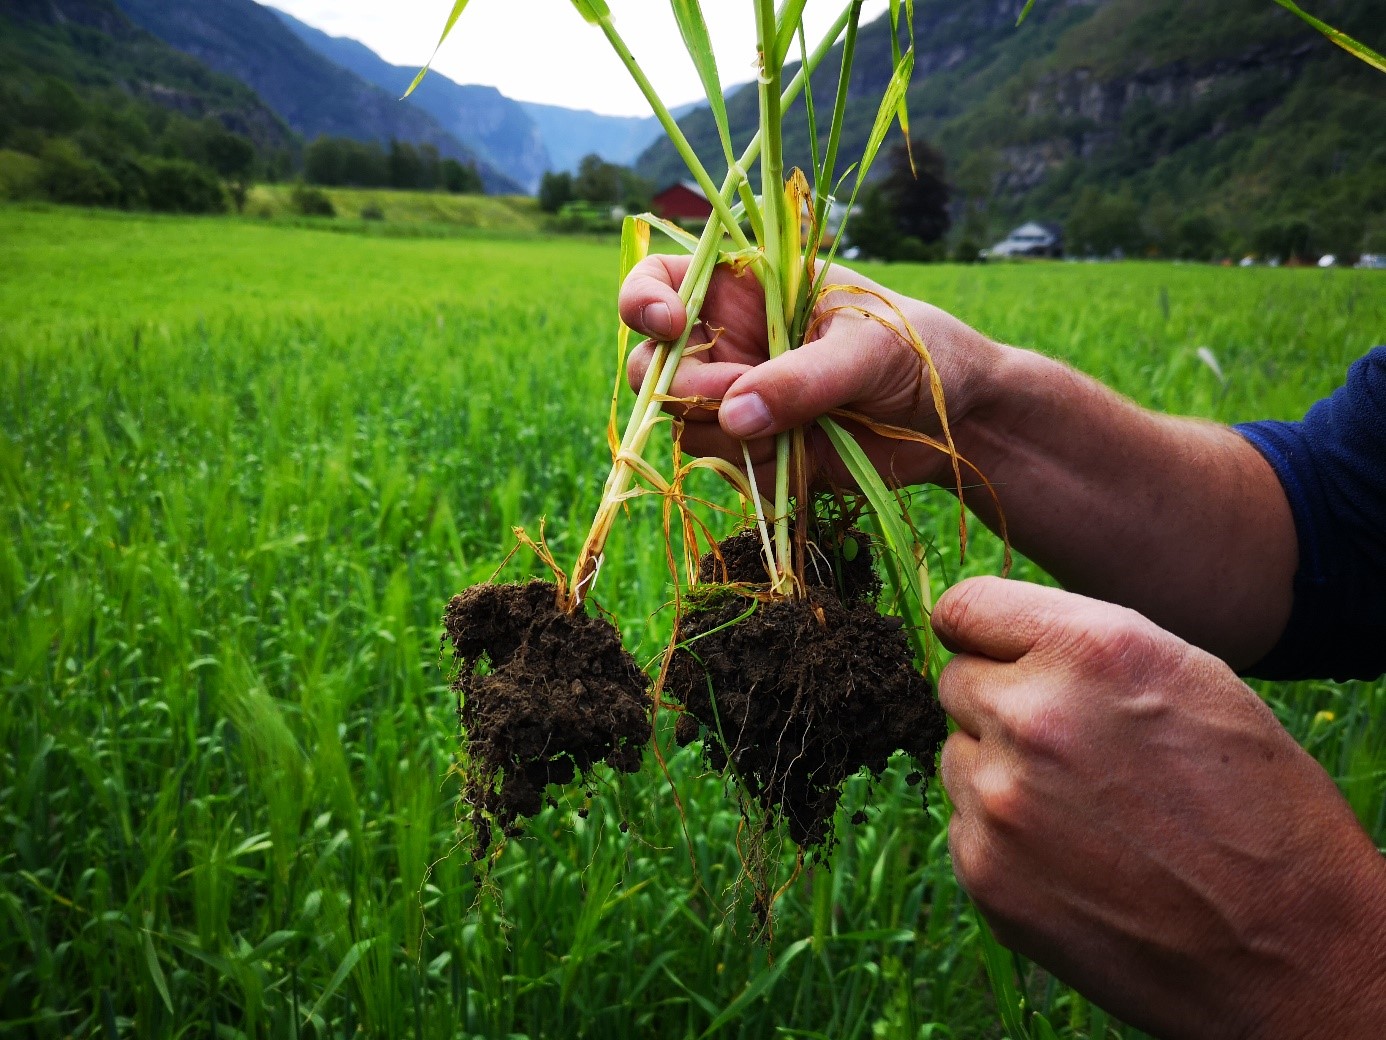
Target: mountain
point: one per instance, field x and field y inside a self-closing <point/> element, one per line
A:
<point x="109" y="65"/>
<point x="1158" y="114"/>
<point x="313" y="95"/>
<point x="497" y="128"/>
<point x="571" y="134"/>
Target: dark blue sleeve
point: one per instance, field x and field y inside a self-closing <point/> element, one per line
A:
<point x="1333" y="468"/>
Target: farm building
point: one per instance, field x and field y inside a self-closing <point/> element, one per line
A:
<point x="683" y="200"/>
<point x="1032" y="239"/>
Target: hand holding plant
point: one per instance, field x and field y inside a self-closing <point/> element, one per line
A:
<point x="854" y="360"/>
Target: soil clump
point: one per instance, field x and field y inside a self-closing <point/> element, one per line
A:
<point x="543" y="695"/>
<point x="800" y="694"/>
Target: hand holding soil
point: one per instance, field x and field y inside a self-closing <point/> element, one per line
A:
<point x="1134" y="817"/>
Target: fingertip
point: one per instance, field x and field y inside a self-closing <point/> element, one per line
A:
<point x="656" y="319"/>
<point x="649" y="301"/>
<point x="954" y="610"/>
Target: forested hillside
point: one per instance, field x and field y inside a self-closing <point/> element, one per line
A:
<point x="1175" y="127"/>
<point x="96" y="111"/>
<point x="498" y="129"/>
<point x="315" y="96"/>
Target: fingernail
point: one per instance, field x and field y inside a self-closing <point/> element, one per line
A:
<point x="657" y="320"/>
<point x="745" y="416"/>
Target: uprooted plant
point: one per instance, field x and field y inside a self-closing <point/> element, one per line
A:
<point x="780" y="661"/>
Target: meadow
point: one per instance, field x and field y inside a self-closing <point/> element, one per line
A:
<point x="244" y="465"/>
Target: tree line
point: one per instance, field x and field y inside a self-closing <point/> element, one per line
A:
<point x="110" y="149"/>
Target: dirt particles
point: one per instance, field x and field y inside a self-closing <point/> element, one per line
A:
<point x="544" y="696"/>
<point x="800" y="694"/>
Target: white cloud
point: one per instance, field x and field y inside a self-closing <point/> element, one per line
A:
<point x="542" y="50"/>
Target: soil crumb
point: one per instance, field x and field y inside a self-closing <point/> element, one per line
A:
<point x="543" y="696"/>
<point x="800" y="694"/>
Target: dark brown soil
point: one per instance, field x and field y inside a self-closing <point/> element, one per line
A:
<point x="801" y="694"/>
<point x="543" y="696"/>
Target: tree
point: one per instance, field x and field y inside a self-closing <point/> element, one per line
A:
<point x="597" y="180"/>
<point x="917" y="195"/>
<point x="178" y="186"/>
<point x="460" y="179"/>
<point x="873" y="228"/>
<point x="554" y="190"/>
<point x="1282" y="240"/>
<point x="904" y="213"/>
<point x="1197" y="237"/>
<point x="404" y="164"/>
<point x="233" y="157"/>
<point x="66" y="175"/>
<point x="1103" y="224"/>
<point x="637" y="193"/>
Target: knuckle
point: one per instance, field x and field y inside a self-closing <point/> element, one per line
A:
<point x="1111" y="642"/>
<point x="1038" y="726"/>
<point x="975" y="863"/>
<point x="1001" y="798"/>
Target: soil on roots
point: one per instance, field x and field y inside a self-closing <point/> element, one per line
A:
<point x="543" y="696"/>
<point x="801" y="694"/>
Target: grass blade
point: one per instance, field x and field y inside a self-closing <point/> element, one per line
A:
<point x="790" y="16"/>
<point x="898" y="555"/>
<point x="592" y="11"/>
<point x="1025" y="13"/>
<point x="1001" y="970"/>
<point x="885" y="115"/>
<point x="635" y="246"/>
<point x="1342" y="39"/>
<point x="457" y="9"/>
<point x="757" y="987"/>
<point x="352" y="958"/>
<point x="689" y="14"/>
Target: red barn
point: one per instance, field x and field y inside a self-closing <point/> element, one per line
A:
<point x="682" y="201"/>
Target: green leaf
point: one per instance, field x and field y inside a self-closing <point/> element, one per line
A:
<point x="698" y="42"/>
<point x="1342" y="39"/>
<point x="353" y="956"/>
<point x="895" y="92"/>
<point x="898" y="556"/>
<point x="1001" y="971"/>
<point x="592" y="11"/>
<point x="671" y="230"/>
<point x="756" y="987"/>
<point x="790" y="18"/>
<point x="151" y="958"/>
<point x="457" y="9"/>
<point x="1026" y="12"/>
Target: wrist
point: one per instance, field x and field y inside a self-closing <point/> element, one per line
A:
<point x="991" y="407"/>
<point x="1331" y="977"/>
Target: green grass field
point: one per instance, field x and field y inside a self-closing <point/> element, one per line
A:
<point x="242" y="468"/>
<point x="497" y="214"/>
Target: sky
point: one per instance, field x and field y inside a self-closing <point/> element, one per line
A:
<point x="542" y="50"/>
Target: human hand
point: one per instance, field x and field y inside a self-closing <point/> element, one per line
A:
<point x="1133" y="817"/>
<point x="851" y="362"/>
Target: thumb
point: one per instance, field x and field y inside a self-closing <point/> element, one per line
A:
<point x="800" y="385"/>
<point x="1005" y="620"/>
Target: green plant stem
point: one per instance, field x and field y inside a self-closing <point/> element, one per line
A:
<point x="721" y="207"/>
<point x="667" y="356"/>
<point x="773" y="265"/>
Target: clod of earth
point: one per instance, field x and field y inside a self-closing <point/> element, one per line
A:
<point x="800" y="694"/>
<point x="544" y="696"/>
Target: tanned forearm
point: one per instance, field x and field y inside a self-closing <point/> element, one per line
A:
<point x="1180" y="519"/>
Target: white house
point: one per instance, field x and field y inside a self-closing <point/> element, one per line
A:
<point x="1032" y="239"/>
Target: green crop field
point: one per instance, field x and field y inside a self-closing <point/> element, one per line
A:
<point x="242" y="468"/>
